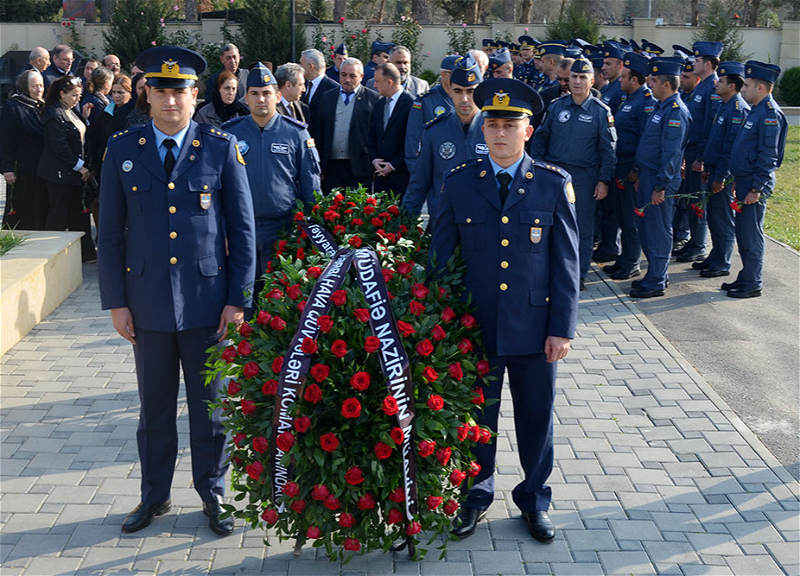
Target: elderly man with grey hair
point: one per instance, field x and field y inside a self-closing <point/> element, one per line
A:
<point x="317" y="83"/>
<point x="291" y="86"/>
<point x="38" y="59"/>
<point x="230" y="58"/>
<point x="400" y="56"/>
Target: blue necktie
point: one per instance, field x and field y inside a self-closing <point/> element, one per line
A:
<point x="347" y="96"/>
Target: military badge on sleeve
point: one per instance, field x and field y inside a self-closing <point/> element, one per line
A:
<point x="239" y="156"/>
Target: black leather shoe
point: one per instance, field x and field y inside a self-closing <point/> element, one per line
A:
<point x="729" y="285"/>
<point x="583" y="285"/>
<point x="603" y="257"/>
<point x="611" y="268"/>
<point x="221" y="526"/>
<point x="690" y="257"/>
<point x="704" y="265"/>
<point x="622" y="275"/>
<point x="678" y="247"/>
<point x="714" y="273"/>
<point x="467" y="522"/>
<point x="143" y="515"/>
<point x="638" y="284"/>
<point x="539" y="525"/>
<point x="645" y="293"/>
<point x="755" y="293"/>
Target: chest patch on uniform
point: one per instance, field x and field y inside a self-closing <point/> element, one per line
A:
<point x="674" y="123"/>
<point x="748" y="125"/>
<point x="447" y="150"/>
<point x="417" y="105"/>
<point x="656" y="119"/>
<point x="698" y="98"/>
<point x="564" y="116"/>
<point x="536" y="235"/>
<point x="736" y="120"/>
<point x="127" y="166"/>
<point x="244" y="147"/>
<point x="439" y="110"/>
<point x="481" y="149"/>
<point x="721" y="120"/>
<point x="277" y="148"/>
<point x="585" y="118"/>
<point x="627" y="108"/>
<point x="649" y="109"/>
<point x="771" y="122"/>
<point x="570" y="193"/>
<point x="205" y="201"/>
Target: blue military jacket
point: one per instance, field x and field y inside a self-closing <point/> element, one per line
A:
<point x="664" y="140"/>
<point x="444" y="146"/>
<point x="162" y="244"/>
<point x="521" y="258"/>
<point x="728" y="122"/>
<point x="630" y="120"/>
<point x="577" y="135"/>
<point x="281" y="162"/>
<point x="703" y="104"/>
<point x="758" y="148"/>
<point x="612" y="95"/>
<point x="428" y="106"/>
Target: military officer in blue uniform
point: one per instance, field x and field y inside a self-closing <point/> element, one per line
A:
<point x="728" y="122"/>
<point x="703" y="105"/>
<point x="630" y="121"/>
<point x="658" y="159"/>
<point x="757" y="153"/>
<point x="176" y="253"/>
<point x="282" y="161"/>
<point x="551" y="54"/>
<point x="611" y="94"/>
<point x="500" y="64"/>
<point x="514" y="219"/>
<point x="578" y="135"/>
<point x="448" y="140"/>
<point x="380" y="55"/>
<point x="339" y="56"/>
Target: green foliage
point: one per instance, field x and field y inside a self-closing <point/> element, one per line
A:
<point x="182" y="38"/>
<point x="782" y="220"/>
<point x="577" y="22"/>
<point x="135" y="26"/>
<point x="266" y="32"/>
<point x="74" y="39"/>
<point x="319" y="10"/>
<point x="719" y="27"/>
<point x="429" y="76"/>
<point x="8" y="240"/>
<point x="29" y="10"/>
<point x="323" y="41"/>
<point x="357" y="42"/>
<point x="789" y="86"/>
<point x="460" y="39"/>
<point x="406" y="33"/>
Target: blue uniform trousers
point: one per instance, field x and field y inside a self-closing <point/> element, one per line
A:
<point x="698" y="226"/>
<point x="532" y="381"/>
<point x="607" y="222"/>
<point x="655" y="231"/>
<point x="722" y="228"/>
<point x="159" y="355"/>
<point x="750" y="238"/>
<point x="625" y="202"/>
<point x="584" y="181"/>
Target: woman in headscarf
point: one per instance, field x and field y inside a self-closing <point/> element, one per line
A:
<point x="223" y="105"/>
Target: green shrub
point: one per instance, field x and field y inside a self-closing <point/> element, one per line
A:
<point x="429" y="76"/>
<point x="136" y="25"/>
<point x="789" y="86"/>
<point x="575" y="23"/>
<point x="461" y="39"/>
<point x="718" y="27"/>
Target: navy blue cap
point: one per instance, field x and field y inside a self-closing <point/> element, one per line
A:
<point x="486" y="42"/>
<point x="688" y="64"/>
<point x="449" y="62"/>
<point x="761" y="71"/>
<point x="502" y="44"/>
<point x="637" y="63"/>
<point x="502" y="56"/>
<point x="597" y="60"/>
<point x="507" y="98"/>
<point x="731" y="69"/>
<point x="171" y="66"/>
<point x="341" y="49"/>
<point x="259" y="76"/>
<point x="703" y="48"/>
<point x="546" y="48"/>
<point x="684" y="51"/>
<point x="582" y="66"/>
<point x="573" y="52"/>
<point x="378" y="47"/>
<point x="591" y="50"/>
<point x="634" y="45"/>
<point x="623" y="42"/>
<point x="526" y="42"/>
<point x="466" y="72"/>
<point x="514" y="47"/>
<point x="580" y="42"/>
<point x="666" y="66"/>
<point x="651" y="48"/>
<point x="613" y="49"/>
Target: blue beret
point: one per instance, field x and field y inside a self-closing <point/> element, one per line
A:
<point x="637" y="63"/>
<point x="449" y="62"/>
<point x="666" y="66"/>
<point x="341" y="49"/>
<point x="466" y="72"/>
<point x="582" y="66"/>
<point x="499" y="58"/>
<point x="259" y="76"/>
<point x="731" y="69"/>
<point x="171" y="66"/>
<point x="552" y="48"/>
<point x="507" y="98"/>
<point x="761" y="71"/>
<point x="704" y="48"/>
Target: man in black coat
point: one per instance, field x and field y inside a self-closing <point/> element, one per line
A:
<point x="61" y="65"/>
<point x="342" y="132"/>
<point x="317" y="83"/>
<point x="388" y="133"/>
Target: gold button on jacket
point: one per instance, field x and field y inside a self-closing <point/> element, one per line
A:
<point x="173" y="260"/>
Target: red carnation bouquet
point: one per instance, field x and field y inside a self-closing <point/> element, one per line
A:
<point x="352" y="390"/>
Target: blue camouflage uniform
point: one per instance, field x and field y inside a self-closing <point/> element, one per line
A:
<point x="757" y="152"/>
<point x="658" y="158"/>
<point x="581" y="139"/>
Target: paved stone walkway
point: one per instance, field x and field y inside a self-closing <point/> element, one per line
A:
<point x="654" y="473"/>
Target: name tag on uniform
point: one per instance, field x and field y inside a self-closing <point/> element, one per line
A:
<point x="585" y="118"/>
<point x="481" y="149"/>
<point x="698" y="98"/>
<point x="279" y="148"/>
<point x="536" y="235"/>
<point x="748" y="125"/>
<point x="205" y="201"/>
<point x="656" y="119"/>
<point x="721" y="120"/>
<point x="627" y="108"/>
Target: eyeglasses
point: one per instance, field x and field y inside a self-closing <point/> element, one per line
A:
<point x="564" y="80"/>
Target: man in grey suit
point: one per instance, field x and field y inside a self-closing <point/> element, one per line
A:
<point x="401" y="58"/>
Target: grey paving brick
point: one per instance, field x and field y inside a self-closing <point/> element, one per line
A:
<point x="642" y="501"/>
<point x="507" y="562"/>
<point x="717" y="544"/>
<point x="668" y="556"/>
<point x="446" y="569"/>
<point x="590" y="540"/>
<point x="753" y="565"/>
<point x="754" y="532"/>
<point x="708" y="513"/>
<point x="635" y="530"/>
<point x="626" y="563"/>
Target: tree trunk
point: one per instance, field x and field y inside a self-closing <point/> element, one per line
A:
<point x="379" y="18"/>
<point x="106" y="8"/>
<point x="508" y="10"/>
<point x="421" y="11"/>
<point x="473" y="12"/>
<point x="339" y="9"/>
<point x="695" y="5"/>
<point x="752" y="17"/>
<point x="190" y="8"/>
<point x="525" y="12"/>
<point x="563" y="8"/>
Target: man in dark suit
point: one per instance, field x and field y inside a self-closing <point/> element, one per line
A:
<point x="388" y="133"/>
<point x="61" y="65"/>
<point x="317" y="83"/>
<point x="230" y="58"/>
<point x="343" y="130"/>
<point x="291" y="87"/>
<point x="177" y="251"/>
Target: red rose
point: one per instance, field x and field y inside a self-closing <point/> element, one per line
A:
<point x="244" y="348"/>
<point x="438" y="333"/>
<point x="465" y="346"/>
<point x="294" y="291"/>
<point x="450" y="507"/>
<point x="301" y="254"/>
<point x="255" y="469"/>
<point x="389" y="406"/>
<point x="463" y="431"/>
<point x="351" y="408"/>
<point x="369" y="210"/>
<point x="443" y="455"/>
<point x="435" y="402"/>
<point x="474" y="469"/>
<point x="277" y="323"/>
<point x="455" y="371"/>
<point x="426" y="447"/>
<point x="434" y="502"/>
<point x="483" y="367"/>
<point x="260" y="444"/>
<point x="377" y="222"/>
<point x="394" y="516"/>
<point x="250" y="370"/>
<point x="277" y="364"/>
<point x="245" y="330"/>
<point x="405" y="268"/>
<point x="339" y="348"/>
<point x="372" y="344"/>
<point x="347" y="520"/>
<point x="270" y="516"/>
<point x="331" y="215"/>
<point x="233" y="388"/>
<point x="354" y="476"/>
<point x="425" y="348"/>
<point x="388" y="274"/>
<point x="312" y="394"/>
<point x="275" y="294"/>
<point x="319" y="372"/>
<point x="352" y="544"/>
<point x="397" y="495"/>
<point x="270" y="388"/>
<point x="371" y="201"/>
<point x="477" y="397"/>
<point x="299" y="217"/>
<point x="355" y="242"/>
<point x="320" y="492"/>
<point x="382" y="451"/>
<point x="298" y="506"/>
<point x="405" y="328"/>
<point x="329" y="442"/>
<point x="309" y="345"/>
<point x="474" y="433"/>
<point x="302" y="424"/>
<point x="457" y="477"/>
<point x="313" y="533"/>
<point x="325" y="323"/>
<point x="357" y="221"/>
<point x="394" y="210"/>
<point x="314" y="271"/>
<point x="362" y="314"/>
<point x="413" y="528"/>
<point x="331" y="503"/>
<point x="285" y="441"/>
<point x="229" y="354"/>
<point x="291" y="489"/>
<point x="443" y="295"/>
<point x="339" y="229"/>
<point x="238" y="439"/>
<point x="263" y="318"/>
<point x="468" y="321"/>
<point x="360" y="381"/>
<point x="430" y="374"/>
<point x="397" y="435"/>
<point x="339" y="298"/>
<point x="416" y="308"/>
<point x="248" y="407"/>
<point x="486" y="435"/>
<point x="366" y="502"/>
<point x="448" y="315"/>
<point x="420" y="291"/>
